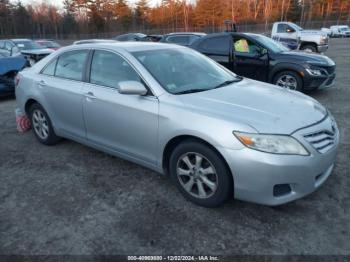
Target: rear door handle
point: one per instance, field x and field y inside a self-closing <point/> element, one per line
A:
<point x="90" y="95"/>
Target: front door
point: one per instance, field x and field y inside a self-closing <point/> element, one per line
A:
<point x="127" y="124"/>
<point x="249" y="60"/>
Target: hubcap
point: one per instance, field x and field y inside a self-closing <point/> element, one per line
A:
<point x="40" y="124"/>
<point x="287" y="81"/>
<point x="197" y="175"/>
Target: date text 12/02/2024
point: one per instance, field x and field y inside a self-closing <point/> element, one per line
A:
<point x="173" y="258"/>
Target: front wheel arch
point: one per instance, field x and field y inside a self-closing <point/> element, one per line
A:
<point x="175" y="141"/>
<point x="288" y="70"/>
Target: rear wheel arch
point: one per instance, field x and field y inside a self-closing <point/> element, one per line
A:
<point x="29" y="104"/>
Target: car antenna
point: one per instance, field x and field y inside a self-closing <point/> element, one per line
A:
<point x="230" y="26"/>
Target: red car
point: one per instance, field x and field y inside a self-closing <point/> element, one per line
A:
<point x="50" y="44"/>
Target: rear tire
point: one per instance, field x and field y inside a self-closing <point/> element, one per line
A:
<point x="200" y="174"/>
<point x="42" y="125"/>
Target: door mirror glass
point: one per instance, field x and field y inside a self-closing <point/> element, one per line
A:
<point x="263" y="51"/>
<point x="15" y="50"/>
<point x="132" y="88"/>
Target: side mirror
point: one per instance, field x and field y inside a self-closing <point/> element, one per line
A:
<point x="14" y="50"/>
<point x="290" y="30"/>
<point x="132" y="88"/>
<point x="263" y="51"/>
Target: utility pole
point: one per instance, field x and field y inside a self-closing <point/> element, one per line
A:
<point x="302" y="11"/>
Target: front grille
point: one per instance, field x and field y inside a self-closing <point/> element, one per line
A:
<point x="330" y="81"/>
<point x="322" y="141"/>
<point x="330" y="69"/>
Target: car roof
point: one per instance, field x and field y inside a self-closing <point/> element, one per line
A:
<point x="21" y="39"/>
<point x="128" y="46"/>
<point x="188" y="33"/>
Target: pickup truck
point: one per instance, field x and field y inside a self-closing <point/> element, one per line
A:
<point x="295" y="37"/>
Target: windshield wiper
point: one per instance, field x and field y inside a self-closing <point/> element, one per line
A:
<point x="190" y="91"/>
<point x="228" y="82"/>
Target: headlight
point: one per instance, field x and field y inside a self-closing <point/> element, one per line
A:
<point x="314" y="72"/>
<point x="276" y="144"/>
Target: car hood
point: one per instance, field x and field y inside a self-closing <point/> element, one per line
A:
<point x="307" y="57"/>
<point x="311" y="32"/>
<point x="264" y="107"/>
<point x="43" y="51"/>
<point x="9" y="64"/>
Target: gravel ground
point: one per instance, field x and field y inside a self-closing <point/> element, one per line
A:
<point x="70" y="199"/>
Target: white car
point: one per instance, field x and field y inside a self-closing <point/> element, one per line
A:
<point x="340" y="31"/>
<point x="328" y="31"/>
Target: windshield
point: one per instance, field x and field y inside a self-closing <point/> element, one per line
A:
<point x="183" y="70"/>
<point x="296" y="27"/>
<point x="345" y="28"/>
<point x="270" y="44"/>
<point x="27" y="45"/>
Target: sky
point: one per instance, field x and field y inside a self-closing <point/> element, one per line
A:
<point x="59" y="2"/>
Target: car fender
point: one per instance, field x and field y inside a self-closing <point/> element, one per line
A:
<point x="10" y="64"/>
<point x="285" y="66"/>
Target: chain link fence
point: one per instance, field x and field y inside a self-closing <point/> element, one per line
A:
<point x="263" y="28"/>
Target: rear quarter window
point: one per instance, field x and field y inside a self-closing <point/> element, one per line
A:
<point x="218" y="45"/>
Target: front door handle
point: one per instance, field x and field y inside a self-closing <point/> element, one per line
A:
<point x="90" y="95"/>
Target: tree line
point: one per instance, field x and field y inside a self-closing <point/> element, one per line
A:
<point x="89" y="17"/>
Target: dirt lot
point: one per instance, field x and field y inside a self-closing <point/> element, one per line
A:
<point x="70" y="199"/>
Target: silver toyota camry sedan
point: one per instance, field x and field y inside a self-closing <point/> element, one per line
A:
<point x="178" y="112"/>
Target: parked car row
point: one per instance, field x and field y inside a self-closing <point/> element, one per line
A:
<point x="337" y="31"/>
<point x="16" y="54"/>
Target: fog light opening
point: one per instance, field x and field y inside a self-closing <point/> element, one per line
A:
<point x="281" y="190"/>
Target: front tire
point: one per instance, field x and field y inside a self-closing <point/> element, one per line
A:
<point x="42" y="125"/>
<point x="200" y="174"/>
<point x="309" y="48"/>
<point x="289" y="79"/>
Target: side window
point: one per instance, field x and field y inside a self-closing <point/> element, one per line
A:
<point x="109" y="69"/>
<point x="182" y="39"/>
<point x="2" y="44"/>
<point x="281" y="28"/>
<point x="8" y="46"/>
<point x="216" y="44"/>
<point x="71" y="65"/>
<point x="50" y="68"/>
<point x="242" y="45"/>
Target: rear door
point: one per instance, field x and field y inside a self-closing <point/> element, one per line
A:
<point x="61" y="82"/>
<point x="248" y="59"/>
<point x="217" y="48"/>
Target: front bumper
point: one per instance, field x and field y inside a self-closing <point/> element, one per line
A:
<point x="256" y="174"/>
<point x="319" y="82"/>
<point x="322" y="48"/>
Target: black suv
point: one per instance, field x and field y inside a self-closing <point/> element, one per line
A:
<point x="261" y="58"/>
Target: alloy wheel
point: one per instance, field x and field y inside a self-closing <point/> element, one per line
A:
<point x="40" y="124"/>
<point x="197" y="175"/>
<point x="287" y="81"/>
